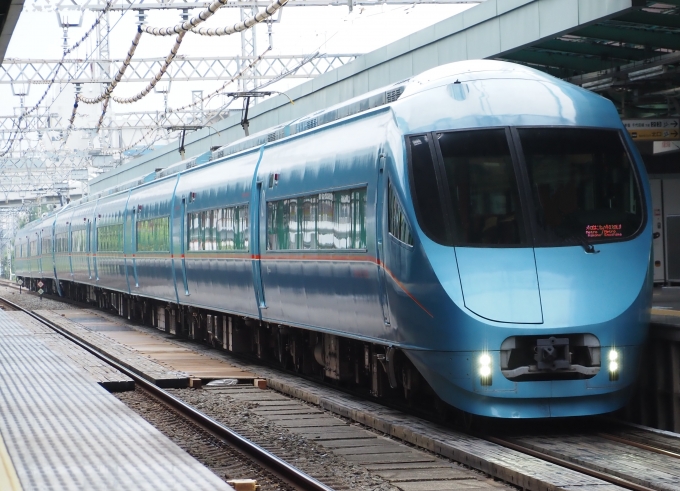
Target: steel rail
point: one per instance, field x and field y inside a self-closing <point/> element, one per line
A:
<point x="279" y="467"/>
<point x="644" y="446"/>
<point x="514" y="446"/>
<point x="569" y="465"/>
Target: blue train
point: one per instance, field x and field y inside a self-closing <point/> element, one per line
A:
<point x="479" y="234"/>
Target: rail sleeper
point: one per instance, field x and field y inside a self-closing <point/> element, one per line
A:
<point x="145" y="367"/>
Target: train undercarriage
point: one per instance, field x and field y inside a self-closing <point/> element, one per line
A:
<point x="378" y="370"/>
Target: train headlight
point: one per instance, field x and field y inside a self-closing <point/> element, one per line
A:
<point x="613" y="364"/>
<point x="485" y="369"/>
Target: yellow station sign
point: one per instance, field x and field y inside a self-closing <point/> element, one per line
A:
<point x="661" y="129"/>
<point x="654" y="135"/>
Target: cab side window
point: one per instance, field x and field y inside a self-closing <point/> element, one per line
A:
<point x="398" y="227"/>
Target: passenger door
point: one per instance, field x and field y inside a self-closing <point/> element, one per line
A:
<point x="381" y="234"/>
<point x="183" y="245"/>
<point x="89" y="249"/>
<point x="94" y="249"/>
<point x="258" y="218"/>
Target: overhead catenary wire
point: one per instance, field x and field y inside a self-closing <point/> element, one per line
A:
<point x="216" y="92"/>
<point x="75" y="106"/>
<point x="225" y="84"/>
<point x="181" y="30"/>
<point x="159" y="75"/>
<point x="243" y="25"/>
<point x="101" y="118"/>
<point x="119" y="75"/>
<point x="12" y="139"/>
<point x="189" y="24"/>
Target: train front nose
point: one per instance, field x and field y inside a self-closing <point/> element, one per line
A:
<point x="552" y="247"/>
<point x="580" y="355"/>
<point x="500" y="284"/>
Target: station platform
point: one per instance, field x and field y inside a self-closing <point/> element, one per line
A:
<point x="666" y="304"/>
<point x="60" y="429"/>
<point x="151" y="355"/>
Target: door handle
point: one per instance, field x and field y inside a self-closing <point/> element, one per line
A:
<point x="656" y="235"/>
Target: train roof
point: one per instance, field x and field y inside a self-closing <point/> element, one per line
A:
<point x="462" y="71"/>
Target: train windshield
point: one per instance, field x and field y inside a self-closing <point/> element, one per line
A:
<point x="582" y="183"/>
<point x="579" y="186"/>
<point x="482" y="187"/>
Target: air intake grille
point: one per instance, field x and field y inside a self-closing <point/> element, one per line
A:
<point x="393" y="95"/>
<point x="307" y="125"/>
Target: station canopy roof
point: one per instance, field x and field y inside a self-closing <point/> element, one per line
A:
<point x="632" y="58"/>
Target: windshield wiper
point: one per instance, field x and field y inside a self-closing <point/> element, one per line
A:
<point x="585" y="243"/>
<point x="582" y="241"/>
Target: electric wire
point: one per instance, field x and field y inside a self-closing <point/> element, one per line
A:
<point x="225" y="84"/>
<point x="270" y="10"/>
<point x="216" y="92"/>
<point x="181" y="30"/>
<point x="106" y="35"/>
<point x="10" y="142"/>
<point x="119" y="75"/>
<point x="189" y="24"/>
<point x="159" y="75"/>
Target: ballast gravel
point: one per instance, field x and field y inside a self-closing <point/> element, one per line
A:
<point x="32" y="301"/>
<point x="332" y="470"/>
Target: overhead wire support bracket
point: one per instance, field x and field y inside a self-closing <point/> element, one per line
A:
<point x="247" y="95"/>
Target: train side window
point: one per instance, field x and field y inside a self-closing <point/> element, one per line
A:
<point x="425" y="189"/>
<point x="47" y="245"/>
<point x="482" y="187"/>
<point x="398" y="227"/>
<point x="78" y="240"/>
<point x="333" y="220"/>
<point x="220" y="229"/>
<point x="153" y="235"/>
<point x="110" y="238"/>
<point x="61" y="242"/>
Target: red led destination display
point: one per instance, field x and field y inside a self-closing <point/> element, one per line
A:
<point x="604" y="231"/>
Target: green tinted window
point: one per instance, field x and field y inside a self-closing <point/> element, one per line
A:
<point x="153" y="235"/>
<point x="61" y="242"/>
<point x="33" y="248"/>
<point x="110" y="238"/>
<point x="221" y="229"/>
<point x="324" y="221"/>
<point x="46" y="245"/>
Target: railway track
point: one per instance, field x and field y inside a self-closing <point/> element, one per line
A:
<point x="629" y="456"/>
<point x="290" y="476"/>
<point x="642" y="444"/>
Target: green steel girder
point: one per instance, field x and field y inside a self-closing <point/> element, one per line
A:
<point x="555" y="72"/>
<point x="631" y="36"/>
<point x="650" y="19"/>
<point x="668" y="2"/>
<point x="595" y="49"/>
<point x="573" y="63"/>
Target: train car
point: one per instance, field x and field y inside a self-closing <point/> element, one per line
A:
<point x="479" y="234"/>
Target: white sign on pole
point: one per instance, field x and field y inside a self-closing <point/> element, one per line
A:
<point x="666" y="147"/>
<point x="659" y="129"/>
<point x="651" y="124"/>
